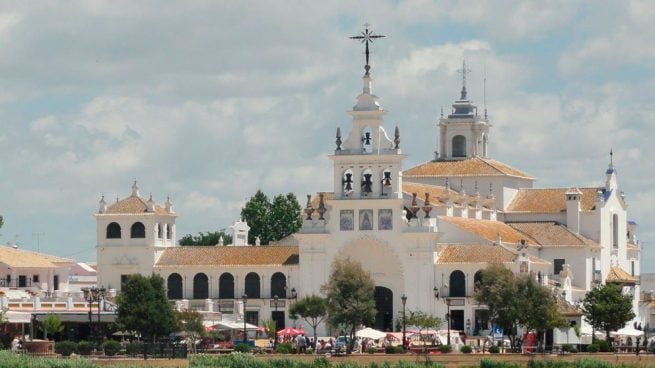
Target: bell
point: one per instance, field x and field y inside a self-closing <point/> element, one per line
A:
<point x="387" y="178"/>
<point x="367" y="138"/>
<point x="348" y="181"/>
<point x="367" y="184"/>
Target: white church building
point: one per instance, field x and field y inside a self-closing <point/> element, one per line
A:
<point x="425" y="232"/>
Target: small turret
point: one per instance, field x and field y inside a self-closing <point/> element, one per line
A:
<point x="135" y="189"/>
<point x="150" y="205"/>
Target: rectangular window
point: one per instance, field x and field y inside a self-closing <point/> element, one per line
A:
<point x="35" y="278"/>
<point x="347" y="220"/>
<point x="252" y="317"/>
<point x="615" y="231"/>
<point x="385" y="219"/>
<point x="365" y="219"/>
<point x="22" y="281"/>
<point x="632" y="268"/>
<point x="55" y="282"/>
<point x="558" y="264"/>
<point x="123" y="281"/>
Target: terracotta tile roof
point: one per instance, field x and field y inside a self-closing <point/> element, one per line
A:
<point x="488" y="229"/>
<point x="16" y="257"/>
<point x="474" y="253"/>
<point x="133" y="205"/>
<point x="549" y="200"/>
<point x="475" y="166"/>
<point x="567" y="309"/>
<point x="420" y="189"/>
<point x="229" y="256"/>
<point x="618" y="276"/>
<point x="551" y="234"/>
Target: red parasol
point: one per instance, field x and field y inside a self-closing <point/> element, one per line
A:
<point x="290" y="331"/>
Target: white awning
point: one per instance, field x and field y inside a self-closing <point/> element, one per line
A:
<point x="17" y="317"/>
<point x="227" y="325"/>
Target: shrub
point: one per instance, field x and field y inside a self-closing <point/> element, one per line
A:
<point x="593" y="348"/>
<point x="466" y="349"/>
<point x="65" y="348"/>
<point x="494" y="349"/>
<point x="488" y="363"/>
<point x="322" y="362"/>
<point x="85" y="347"/>
<point x="134" y="348"/>
<point x="309" y="351"/>
<point x="371" y="350"/>
<point x="604" y="346"/>
<point x="284" y="348"/>
<point x="445" y="349"/>
<point x="242" y="348"/>
<point x="111" y="347"/>
<point x="394" y="350"/>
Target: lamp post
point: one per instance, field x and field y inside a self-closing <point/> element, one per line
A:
<point x="92" y="295"/>
<point x="448" y="317"/>
<point x="404" y="300"/>
<point x="275" y="299"/>
<point x="468" y="326"/>
<point x="244" y="297"/>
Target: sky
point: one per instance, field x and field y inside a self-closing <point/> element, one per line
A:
<point x="209" y="101"/>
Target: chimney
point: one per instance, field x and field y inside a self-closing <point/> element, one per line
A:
<point x="573" y="198"/>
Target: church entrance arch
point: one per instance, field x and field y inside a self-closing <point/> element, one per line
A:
<point x="384" y="307"/>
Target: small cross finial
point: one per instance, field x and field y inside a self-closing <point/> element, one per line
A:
<point x="366" y="37"/>
<point x="463" y="71"/>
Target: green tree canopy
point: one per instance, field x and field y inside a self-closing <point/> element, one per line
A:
<point x="517" y="301"/>
<point x="423" y="322"/>
<point x="606" y="308"/>
<point x="52" y="324"/>
<point x="312" y="309"/>
<point x="208" y="238"/>
<point x="350" y="292"/>
<point x="144" y="307"/>
<point x="2" y="221"/>
<point x="190" y="321"/>
<point x="271" y="221"/>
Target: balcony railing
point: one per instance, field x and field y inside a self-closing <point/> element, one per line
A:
<point x="16" y="283"/>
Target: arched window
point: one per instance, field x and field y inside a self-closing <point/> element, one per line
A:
<point x="477" y="280"/>
<point x="113" y="231"/>
<point x="252" y="285"/>
<point x="278" y="285"/>
<point x="174" y="286"/>
<point x="226" y="286"/>
<point x="169" y="233"/>
<point x="200" y="286"/>
<point x="347" y="183"/>
<point x="138" y="230"/>
<point x="459" y="146"/>
<point x="615" y="231"/>
<point x="367" y="181"/>
<point x="457" y="284"/>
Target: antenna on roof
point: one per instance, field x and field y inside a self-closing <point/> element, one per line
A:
<point x="484" y="91"/>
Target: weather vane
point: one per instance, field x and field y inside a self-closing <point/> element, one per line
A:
<point x="366" y="37"/>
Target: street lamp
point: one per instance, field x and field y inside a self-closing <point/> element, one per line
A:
<point x="245" y="335"/>
<point x="275" y="299"/>
<point x="404" y="300"/>
<point x="92" y="295"/>
<point x="448" y="318"/>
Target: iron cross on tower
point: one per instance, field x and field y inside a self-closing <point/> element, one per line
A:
<point x="366" y="37"/>
<point x="463" y="71"/>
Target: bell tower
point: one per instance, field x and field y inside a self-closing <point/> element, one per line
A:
<point x="368" y="163"/>
<point x="463" y="133"/>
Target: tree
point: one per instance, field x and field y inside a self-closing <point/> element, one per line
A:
<point x="538" y="307"/>
<point x="190" y="321"/>
<point x="497" y="291"/>
<point x="606" y="308"/>
<point x="350" y="294"/>
<point x="208" y="238"/>
<point x="286" y="216"/>
<point x="270" y="328"/>
<point x="2" y="221"/>
<point x="518" y="301"/>
<point x="271" y="221"/>
<point x="144" y="307"/>
<point x="52" y="324"/>
<point x="312" y="309"/>
<point x="423" y="321"/>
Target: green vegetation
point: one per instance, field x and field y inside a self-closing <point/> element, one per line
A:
<point x="350" y="297"/>
<point x="111" y="347"/>
<point x="208" y="238"/>
<point x="84" y="347"/>
<point x="190" y="321"/>
<point x="66" y="348"/>
<point x="144" y="307"/>
<point x="466" y="349"/>
<point x="271" y="221"/>
<point x="52" y="324"/>
<point x="313" y="309"/>
<point x="607" y="309"/>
